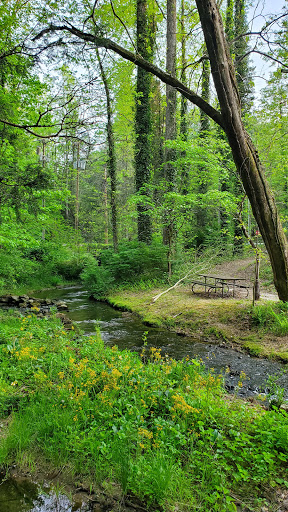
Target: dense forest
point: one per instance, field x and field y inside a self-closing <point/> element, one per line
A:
<point x="144" y="143"/>
<point x="97" y="153"/>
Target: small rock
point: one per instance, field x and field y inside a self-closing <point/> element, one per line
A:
<point x="5" y="299"/>
<point x="22" y="304"/>
<point x="61" y="306"/>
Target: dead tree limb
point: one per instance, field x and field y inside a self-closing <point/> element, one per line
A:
<point x="171" y="287"/>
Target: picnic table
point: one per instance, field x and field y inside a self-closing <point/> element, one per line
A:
<point x="225" y="285"/>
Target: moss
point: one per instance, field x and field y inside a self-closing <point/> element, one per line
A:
<point x="253" y="348"/>
<point x="218" y="333"/>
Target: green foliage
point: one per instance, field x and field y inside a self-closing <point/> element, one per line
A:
<point x="97" y="280"/>
<point x="162" y="428"/>
<point x="272" y="316"/>
<point x="275" y="392"/>
<point x="133" y="262"/>
<point x="28" y="260"/>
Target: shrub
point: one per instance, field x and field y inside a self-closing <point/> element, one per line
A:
<point x="271" y="316"/>
<point x="134" y="259"/>
<point x="163" y="428"/>
<point x="98" y="280"/>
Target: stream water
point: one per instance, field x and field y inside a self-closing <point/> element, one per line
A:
<point x="127" y="331"/>
<point x="21" y="494"/>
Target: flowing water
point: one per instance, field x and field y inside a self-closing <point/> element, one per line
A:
<point x="128" y="332"/>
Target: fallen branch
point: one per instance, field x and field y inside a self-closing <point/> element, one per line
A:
<point x="171" y="287"/>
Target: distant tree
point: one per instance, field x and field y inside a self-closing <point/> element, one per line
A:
<point x="242" y="55"/>
<point x="111" y="155"/>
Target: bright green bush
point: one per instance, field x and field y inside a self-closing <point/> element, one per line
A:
<point x="97" y="280"/>
<point x="272" y="316"/>
<point x="134" y="260"/>
<point x="29" y="259"/>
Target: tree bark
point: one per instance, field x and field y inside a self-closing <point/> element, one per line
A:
<point x="244" y="153"/>
<point x="184" y="106"/>
<point x="111" y="156"/>
<point x="143" y="126"/>
<point x="171" y="93"/>
<point x="170" y="125"/>
<point x="201" y="214"/>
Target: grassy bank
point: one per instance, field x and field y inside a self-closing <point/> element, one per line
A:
<point x="164" y="430"/>
<point x="261" y="330"/>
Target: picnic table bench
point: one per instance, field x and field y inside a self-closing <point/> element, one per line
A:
<point x="225" y="285"/>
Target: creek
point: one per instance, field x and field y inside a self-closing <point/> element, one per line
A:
<point x="127" y="331"/>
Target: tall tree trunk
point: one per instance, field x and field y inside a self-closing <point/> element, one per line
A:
<point x="106" y="217"/>
<point x="229" y="23"/>
<point x="143" y="125"/>
<point x="170" y="123"/>
<point x="76" y="222"/>
<point x="184" y="105"/>
<point x="171" y="93"/>
<point x="244" y="153"/>
<point x="43" y="199"/>
<point x="230" y="28"/>
<point x="112" y="170"/>
<point x="201" y="214"/>
<point x="240" y="49"/>
<point x="242" y="56"/>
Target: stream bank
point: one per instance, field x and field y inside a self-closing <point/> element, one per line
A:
<point x="127" y="331"/>
<point x="224" y="321"/>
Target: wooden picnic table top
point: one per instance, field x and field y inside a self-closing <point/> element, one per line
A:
<point x="220" y="278"/>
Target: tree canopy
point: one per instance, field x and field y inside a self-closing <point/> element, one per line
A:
<point x="68" y="82"/>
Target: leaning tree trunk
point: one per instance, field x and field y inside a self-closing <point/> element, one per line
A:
<point x="244" y="152"/>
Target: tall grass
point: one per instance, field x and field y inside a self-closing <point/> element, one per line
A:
<point x="272" y="316"/>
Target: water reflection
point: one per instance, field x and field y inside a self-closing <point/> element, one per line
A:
<point x="23" y="495"/>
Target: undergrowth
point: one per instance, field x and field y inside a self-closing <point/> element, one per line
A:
<point x="272" y="316"/>
<point x="163" y="429"/>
